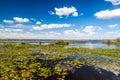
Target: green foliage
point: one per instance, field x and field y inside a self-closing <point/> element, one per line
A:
<point x="40" y="42"/>
<point x="61" y="42"/>
<point x="22" y="43"/>
<point x="114" y="41"/>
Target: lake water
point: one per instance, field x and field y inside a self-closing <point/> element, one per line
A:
<point x="93" y="44"/>
<point x="89" y="44"/>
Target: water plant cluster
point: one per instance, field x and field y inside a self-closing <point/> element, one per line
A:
<point x="43" y="62"/>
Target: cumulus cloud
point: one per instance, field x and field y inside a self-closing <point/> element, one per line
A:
<point x="19" y="25"/>
<point x="75" y="14"/>
<point x="108" y="14"/>
<point x="91" y="29"/>
<point x="38" y="22"/>
<point x="1" y="26"/>
<point x="65" y="11"/>
<point x="50" y="26"/>
<point x="114" y="2"/>
<point x="16" y="26"/>
<point x="21" y="20"/>
<point x="33" y="19"/>
<point x="11" y="30"/>
<point x="8" y="21"/>
<point x="113" y="26"/>
<point x="67" y="34"/>
<point x="112" y="35"/>
<point x="72" y="32"/>
<point x="29" y="35"/>
<point x="15" y="35"/>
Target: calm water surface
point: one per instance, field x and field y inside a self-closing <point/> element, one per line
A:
<point x="94" y="44"/>
<point x="89" y="44"/>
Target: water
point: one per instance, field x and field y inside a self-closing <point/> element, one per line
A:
<point x="89" y="44"/>
<point x="107" y="63"/>
<point x="93" y="44"/>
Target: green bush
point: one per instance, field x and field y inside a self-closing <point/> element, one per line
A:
<point x="61" y="42"/>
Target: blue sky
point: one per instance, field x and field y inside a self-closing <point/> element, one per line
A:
<point x="60" y="19"/>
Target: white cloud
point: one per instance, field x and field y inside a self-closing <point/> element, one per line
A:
<point x="50" y="12"/>
<point x="21" y="20"/>
<point x="72" y="32"/>
<point x="114" y="2"/>
<point x="29" y="35"/>
<point x="110" y="35"/>
<point x="20" y="30"/>
<point x="8" y="21"/>
<point x="108" y="14"/>
<point x="33" y="19"/>
<point x="75" y="34"/>
<point x="50" y="26"/>
<point x="67" y="34"/>
<point x="91" y="29"/>
<point x="75" y="14"/>
<point x="38" y="22"/>
<point x="11" y="30"/>
<point x="99" y="28"/>
<point x="15" y="35"/>
<point x="50" y="35"/>
<point x="19" y="25"/>
<point x="113" y="26"/>
<point x="16" y="26"/>
<point x="1" y="26"/>
<point x="65" y="11"/>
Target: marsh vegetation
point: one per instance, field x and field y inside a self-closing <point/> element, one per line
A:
<point x="54" y="61"/>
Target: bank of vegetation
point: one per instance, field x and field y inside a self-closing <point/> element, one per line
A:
<point x="114" y="42"/>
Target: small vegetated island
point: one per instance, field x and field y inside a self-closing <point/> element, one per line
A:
<point x="114" y="41"/>
<point x="21" y="60"/>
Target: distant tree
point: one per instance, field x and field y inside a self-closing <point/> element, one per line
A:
<point x="108" y="41"/>
<point x="118" y="40"/>
<point x="22" y="43"/>
<point x="40" y="42"/>
<point x="61" y="42"/>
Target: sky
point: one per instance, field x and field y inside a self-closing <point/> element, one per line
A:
<point x="60" y="19"/>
